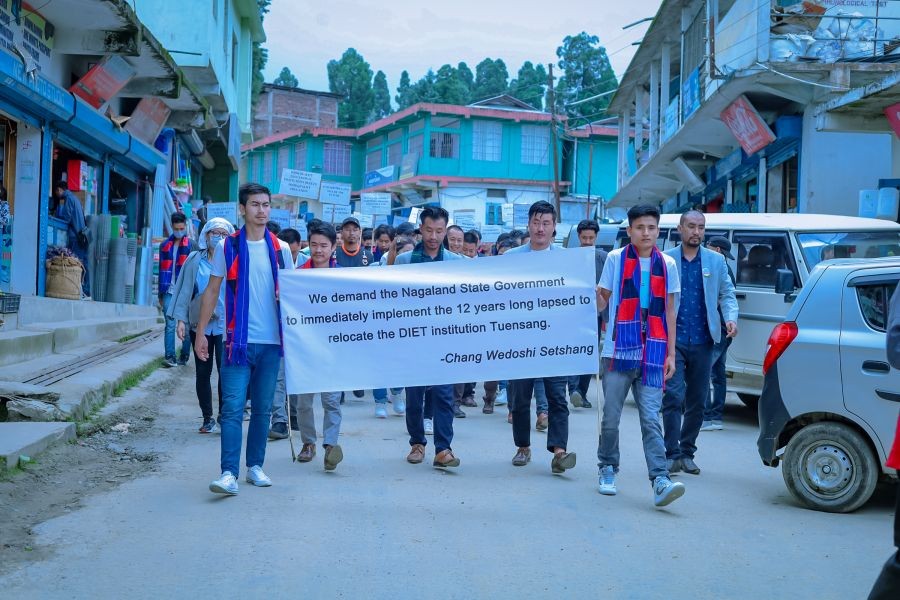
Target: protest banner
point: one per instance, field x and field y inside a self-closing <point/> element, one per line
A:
<point x="302" y="184"/>
<point x="375" y="203"/>
<point x="512" y="317"/>
<point x="334" y="192"/>
<point x="464" y="219"/>
<point x="335" y="213"/>
<point x="223" y="210"/>
<point x="282" y="216"/>
<point x="490" y="233"/>
<point x="364" y="220"/>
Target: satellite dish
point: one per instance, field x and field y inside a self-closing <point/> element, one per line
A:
<point x="616" y="213"/>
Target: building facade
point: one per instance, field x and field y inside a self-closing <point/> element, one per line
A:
<point x="280" y="109"/>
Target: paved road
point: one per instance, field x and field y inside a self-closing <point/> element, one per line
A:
<point x="381" y="528"/>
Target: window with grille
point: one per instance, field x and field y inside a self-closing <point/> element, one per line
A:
<point x="486" y="140"/>
<point x="267" y="166"/>
<point x="416" y="145"/>
<point x="417" y="125"/>
<point x="337" y="158"/>
<point x="300" y="156"/>
<point x="535" y="145"/>
<point x="375" y="142"/>
<point x="284" y="155"/>
<point x="373" y="160"/>
<point x="444" y="145"/>
<point x="395" y="154"/>
<point x="395" y="135"/>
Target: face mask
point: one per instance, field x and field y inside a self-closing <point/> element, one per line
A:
<point x="179" y="234"/>
<point x="214" y="240"/>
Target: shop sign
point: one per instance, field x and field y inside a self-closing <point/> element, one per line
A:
<point x="892" y="113"/>
<point x="32" y="35"/>
<point x="148" y="119"/>
<point x="690" y="94"/>
<point x="409" y="165"/>
<point x="380" y="176"/>
<point x="104" y="81"/>
<point x="747" y="126"/>
<point x="671" y="124"/>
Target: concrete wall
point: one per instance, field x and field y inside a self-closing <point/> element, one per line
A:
<point x="602" y="173"/>
<point x="280" y="110"/>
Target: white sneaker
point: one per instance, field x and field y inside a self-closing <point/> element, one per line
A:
<point x="429" y="427"/>
<point x="711" y="426"/>
<point x="380" y="411"/>
<point x="226" y="484"/>
<point x="398" y="404"/>
<point x="501" y="398"/>
<point x="256" y="476"/>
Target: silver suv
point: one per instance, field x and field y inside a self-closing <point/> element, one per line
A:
<point x="829" y="396"/>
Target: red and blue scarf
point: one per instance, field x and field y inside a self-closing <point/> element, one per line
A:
<point x="237" y="294"/>
<point x="634" y="350"/>
<point x="332" y="263"/>
<point x="172" y="252"/>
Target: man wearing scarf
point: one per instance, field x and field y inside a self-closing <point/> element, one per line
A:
<point x="172" y="255"/>
<point x="638" y="284"/>
<point x="248" y="262"/>
<point x="431" y="249"/>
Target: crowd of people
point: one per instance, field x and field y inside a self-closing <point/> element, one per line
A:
<point x="667" y="318"/>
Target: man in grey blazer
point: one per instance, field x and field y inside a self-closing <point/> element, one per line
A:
<point x="705" y="286"/>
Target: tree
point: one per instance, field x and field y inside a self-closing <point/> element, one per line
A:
<point x="259" y="59"/>
<point x="425" y="90"/>
<point x="491" y="79"/>
<point x="351" y="77"/>
<point x="450" y="87"/>
<point x="382" y="97"/>
<point x="467" y="77"/>
<point x="530" y="84"/>
<point x="286" y="78"/>
<point x="586" y="72"/>
<point x="405" y="93"/>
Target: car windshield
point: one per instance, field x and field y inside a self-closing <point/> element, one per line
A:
<point x="848" y="244"/>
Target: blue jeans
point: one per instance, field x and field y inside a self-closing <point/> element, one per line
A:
<point x="648" y="399"/>
<point x="685" y="396"/>
<point x="169" y="337"/>
<point x="540" y="397"/>
<point x="715" y="401"/>
<point x="257" y="378"/>
<point x="381" y="394"/>
<point x="442" y="403"/>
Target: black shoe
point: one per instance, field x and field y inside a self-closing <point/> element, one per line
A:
<point x="689" y="466"/>
<point x="458" y="413"/>
<point x="278" y="431"/>
<point x="586" y="404"/>
<point x="673" y="465"/>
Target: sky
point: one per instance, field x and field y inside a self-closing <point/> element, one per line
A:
<point x="415" y="35"/>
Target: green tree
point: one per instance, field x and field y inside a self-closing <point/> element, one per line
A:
<point x="530" y="84"/>
<point x="351" y="77"/>
<point x="491" y="79"/>
<point x="425" y="88"/>
<point x="382" y="97"/>
<point x="405" y="92"/>
<point x="586" y="72"/>
<point x="467" y="77"/>
<point x="259" y="58"/>
<point x="450" y="87"/>
<point x="286" y="78"/>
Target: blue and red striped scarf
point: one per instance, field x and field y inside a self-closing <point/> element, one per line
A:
<point x="332" y="263"/>
<point x="237" y="292"/>
<point x="172" y="251"/>
<point x="632" y="350"/>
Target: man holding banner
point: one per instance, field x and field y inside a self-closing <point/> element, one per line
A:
<point x="541" y="230"/>
<point x="433" y="229"/>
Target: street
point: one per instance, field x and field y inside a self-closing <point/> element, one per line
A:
<point x="381" y="528"/>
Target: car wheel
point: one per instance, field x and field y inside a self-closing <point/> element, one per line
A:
<point x="749" y="400"/>
<point x="830" y="467"/>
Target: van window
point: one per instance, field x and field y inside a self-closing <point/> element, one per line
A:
<point x="759" y="256"/>
<point x="873" y="303"/>
<point x="819" y="246"/>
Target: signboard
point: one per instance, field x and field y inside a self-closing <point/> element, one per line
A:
<point x="148" y="119"/>
<point x="222" y="210"/>
<point x="300" y="226"/>
<point x="281" y="216"/>
<point x="690" y="94"/>
<point x="364" y="220"/>
<point x="414" y="215"/>
<point x="104" y="80"/>
<point x="490" y="233"/>
<point x="34" y="35"/>
<point x="520" y="216"/>
<point x="507" y="214"/>
<point x="893" y="116"/>
<point x="334" y="192"/>
<point x="380" y="176"/>
<point x="747" y="126"/>
<point x="520" y="316"/>
<point x="335" y="213"/>
<point x="464" y="219"/>
<point x="671" y="120"/>
<point x="302" y="184"/>
<point x="375" y="203"/>
<point x="409" y="166"/>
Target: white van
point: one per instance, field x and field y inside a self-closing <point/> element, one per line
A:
<point x="764" y="243"/>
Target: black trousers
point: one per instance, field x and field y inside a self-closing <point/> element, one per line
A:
<point x="887" y="586"/>
<point x="204" y="369"/>
<point x="521" y="391"/>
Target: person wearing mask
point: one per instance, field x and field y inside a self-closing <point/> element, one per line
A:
<point x="184" y="307"/>
<point x="70" y="210"/>
<point x="542" y="229"/>
<point x="172" y="255"/>
<point x="351" y="253"/>
<point x="454" y="240"/>
<point x="715" y="401"/>
<point x="384" y="235"/>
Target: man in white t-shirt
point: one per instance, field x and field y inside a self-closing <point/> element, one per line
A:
<point x="248" y="262"/>
<point x="638" y="284"/>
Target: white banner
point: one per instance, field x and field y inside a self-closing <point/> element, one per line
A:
<point x="335" y="213"/>
<point x="375" y="204"/>
<point x="302" y="184"/>
<point x="334" y="192"/>
<point x="222" y="210"/>
<point x="512" y="317"/>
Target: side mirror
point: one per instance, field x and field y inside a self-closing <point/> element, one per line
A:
<point x="784" y="284"/>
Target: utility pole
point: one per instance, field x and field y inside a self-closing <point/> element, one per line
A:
<point x="551" y="99"/>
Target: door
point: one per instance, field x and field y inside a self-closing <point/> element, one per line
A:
<point x="871" y="387"/>
<point x="758" y="256"/>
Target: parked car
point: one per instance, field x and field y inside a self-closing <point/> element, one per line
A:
<point x="830" y="398"/>
<point x="763" y="243"/>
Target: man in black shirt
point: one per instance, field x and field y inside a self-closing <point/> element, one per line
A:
<point x="350" y="253"/>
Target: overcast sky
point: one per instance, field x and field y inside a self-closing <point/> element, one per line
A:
<point x="414" y="35"/>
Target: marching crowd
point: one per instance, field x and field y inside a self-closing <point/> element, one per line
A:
<point x="666" y="317"/>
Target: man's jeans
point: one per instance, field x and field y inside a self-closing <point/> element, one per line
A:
<point x="540" y="397"/>
<point x="521" y="391"/>
<point x="258" y="378"/>
<point x="442" y="402"/>
<point x="169" y="336"/>
<point x="381" y="394"/>
<point x="331" y="420"/>
<point x="279" y="412"/>
<point x="715" y="402"/>
<point x="648" y="399"/>
<point x="685" y="397"/>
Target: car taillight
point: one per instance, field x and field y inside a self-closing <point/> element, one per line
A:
<point x="779" y="340"/>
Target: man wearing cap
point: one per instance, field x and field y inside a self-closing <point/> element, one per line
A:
<point x="705" y="288"/>
<point x="350" y="253"/>
<point x="715" y="402"/>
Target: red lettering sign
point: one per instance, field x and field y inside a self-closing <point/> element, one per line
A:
<point x="747" y="126"/>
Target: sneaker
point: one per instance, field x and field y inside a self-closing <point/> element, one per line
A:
<point x="576" y="399"/>
<point x="501" y="398"/>
<point x="333" y="456"/>
<point x="542" y="423"/>
<point x="665" y="491"/>
<point x="380" y="411"/>
<point x="170" y="363"/>
<point x="226" y="484"/>
<point x="608" y="481"/>
<point x="429" y="427"/>
<point x="458" y="412"/>
<point x="711" y="426"/>
<point x="278" y="431"/>
<point x="209" y="426"/>
<point x="398" y="404"/>
<point x="689" y="466"/>
<point x="256" y="477"/>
